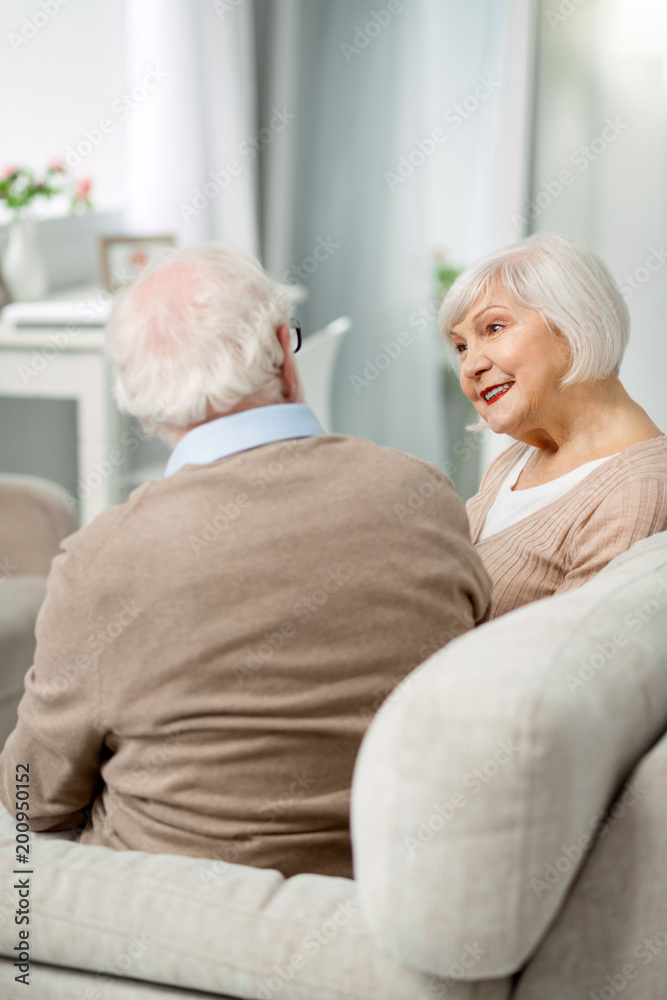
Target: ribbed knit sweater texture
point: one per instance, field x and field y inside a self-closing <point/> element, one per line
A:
<point x="571" y="539"/>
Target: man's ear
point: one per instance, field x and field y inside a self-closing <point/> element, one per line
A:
<point x="292" y="388"/>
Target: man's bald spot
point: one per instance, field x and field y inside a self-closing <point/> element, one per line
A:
<point x="172" y="284"/>
<point x="166" y="291"/>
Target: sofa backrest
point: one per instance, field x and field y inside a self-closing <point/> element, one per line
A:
<point x="35" y="515"/>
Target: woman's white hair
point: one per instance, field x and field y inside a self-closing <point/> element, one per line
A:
<point x="197" y="327"/>
<point x="567" y="284"/>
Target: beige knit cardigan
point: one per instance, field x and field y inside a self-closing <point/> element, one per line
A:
<point x="572" y="538"/>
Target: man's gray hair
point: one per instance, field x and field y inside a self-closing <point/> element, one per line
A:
<point x="567" y="284"/>
<point x="197" y="326"/>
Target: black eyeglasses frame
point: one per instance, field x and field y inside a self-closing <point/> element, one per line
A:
<point x="296" y="326"/>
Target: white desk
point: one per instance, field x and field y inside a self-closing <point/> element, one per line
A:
<point x="58" y="364"/>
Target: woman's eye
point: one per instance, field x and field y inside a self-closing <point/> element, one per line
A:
<point x="459" y="348"/>
<point x="494" y="327"/>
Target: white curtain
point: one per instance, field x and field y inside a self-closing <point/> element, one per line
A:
<point x="362" y="89"/>
<point x="359" y="115"/>
<point x="190" y="169"/>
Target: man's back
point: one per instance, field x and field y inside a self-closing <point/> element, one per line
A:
<point x="237" y="625"/>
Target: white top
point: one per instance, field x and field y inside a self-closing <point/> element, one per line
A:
<point x="511" y="506"/>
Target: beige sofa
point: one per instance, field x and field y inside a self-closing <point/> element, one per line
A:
<point x="35" y="515"/>
<point x="510" y="835"/>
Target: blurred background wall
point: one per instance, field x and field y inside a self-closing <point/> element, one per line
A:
<point x="348" y="143"/>
<point x="601" y="116"/>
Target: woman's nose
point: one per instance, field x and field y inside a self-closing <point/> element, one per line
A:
<point x="474" y="362"/>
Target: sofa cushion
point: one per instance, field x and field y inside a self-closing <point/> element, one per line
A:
<point x="610" y="939"/>
<point x="49" y="982"/>
<point x="499" y="750"/>
<point x="206" y="925"/>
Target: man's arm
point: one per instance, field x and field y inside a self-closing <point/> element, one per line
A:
<point x="437" y="531"/>
<point x="59" y="734"/>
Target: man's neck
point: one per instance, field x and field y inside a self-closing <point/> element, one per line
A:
<point x="249" y="403"/>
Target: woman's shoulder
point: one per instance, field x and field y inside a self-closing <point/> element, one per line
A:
<point x="655" y="445"/>
<point x="644" y="459"/>
<point x="634" y="480"/>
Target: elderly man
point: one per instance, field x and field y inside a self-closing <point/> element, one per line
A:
<point x="210" y="652"/>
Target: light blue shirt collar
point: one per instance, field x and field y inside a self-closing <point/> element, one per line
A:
<point x="240" y="431"/>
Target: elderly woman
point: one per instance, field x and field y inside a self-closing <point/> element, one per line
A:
<point x="540" y="329"/>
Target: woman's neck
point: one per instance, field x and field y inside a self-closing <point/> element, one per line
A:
<point x="601" y="420"/>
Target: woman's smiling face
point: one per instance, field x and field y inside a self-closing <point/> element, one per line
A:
<point x="511" y="365"/>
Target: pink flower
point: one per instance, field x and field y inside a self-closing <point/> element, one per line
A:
<point x="83" y="188"/>
<point x="8" y="171"/>
<point x="57" y="167"/>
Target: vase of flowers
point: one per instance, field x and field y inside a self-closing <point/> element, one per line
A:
<point x="23" y="267"/>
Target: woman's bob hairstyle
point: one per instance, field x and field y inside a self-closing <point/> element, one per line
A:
<point x="567" y="284"/>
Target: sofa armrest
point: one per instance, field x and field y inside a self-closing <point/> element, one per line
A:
<point x="503" y="747"/>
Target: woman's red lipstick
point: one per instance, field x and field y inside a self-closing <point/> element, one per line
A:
<point x="498" y="394"/>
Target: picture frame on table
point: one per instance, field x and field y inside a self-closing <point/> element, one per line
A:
<point x="123" y="257"/>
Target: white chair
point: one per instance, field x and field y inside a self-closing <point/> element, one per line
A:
<point x="317" y="364"/>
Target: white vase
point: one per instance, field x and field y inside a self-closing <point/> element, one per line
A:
<point x="23" y="268"/>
